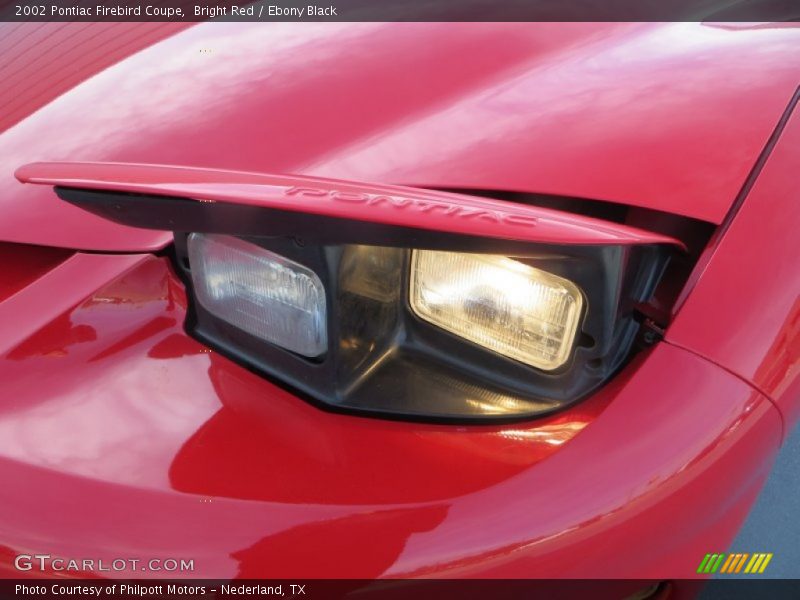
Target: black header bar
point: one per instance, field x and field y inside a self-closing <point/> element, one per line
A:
<point x="321" y="589"/>
<point x="399" y="10"/>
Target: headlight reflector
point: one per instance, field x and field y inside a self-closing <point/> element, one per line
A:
<point x="504" y="305"/>
<point x="258" y="291"/>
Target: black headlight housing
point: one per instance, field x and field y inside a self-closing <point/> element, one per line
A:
<point x="382" y="358"/>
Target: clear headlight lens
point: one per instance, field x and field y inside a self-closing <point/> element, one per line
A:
<point x="501" y="304"/>
<point x="263" y="293"/>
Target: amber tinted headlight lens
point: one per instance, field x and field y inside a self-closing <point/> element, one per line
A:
<point x="501" y="304"/>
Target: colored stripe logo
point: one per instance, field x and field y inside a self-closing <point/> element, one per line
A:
<point x="735" y="563"/>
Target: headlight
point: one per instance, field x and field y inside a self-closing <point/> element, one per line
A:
<point x="504" y="305"/>
<point x="399" y="301"/>
<point x="431" y="333"/>
<point x="270" y="296"/>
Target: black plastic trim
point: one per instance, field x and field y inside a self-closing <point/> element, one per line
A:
<point x="419" y="371"/>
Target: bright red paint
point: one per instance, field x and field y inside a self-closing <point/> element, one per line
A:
<point x="163" y="448"/>
<point x="372" y="203"/>
<point x="22" y="265"/>
<point x="744" y="313"/>
<point x="668" y="116"/>
<point x="34" y="57"/>
<point x="122" y="436"/>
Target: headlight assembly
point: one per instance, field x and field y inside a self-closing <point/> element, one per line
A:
<point x="425" y="333"/>
<point x="387" y="300"/>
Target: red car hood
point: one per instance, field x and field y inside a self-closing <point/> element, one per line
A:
<point x="668" y="116"/>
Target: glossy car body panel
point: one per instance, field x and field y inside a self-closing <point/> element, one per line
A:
<point x="23" y="264"/>
<point x="158" y="446"/>
<point x="667" y="116"/>
<point x="38" y="63"/>
<point x="372" y="203"/>
<point x="41" y="61"/>
<point x="161" y="447"/>
<point x="744" y="312"/>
